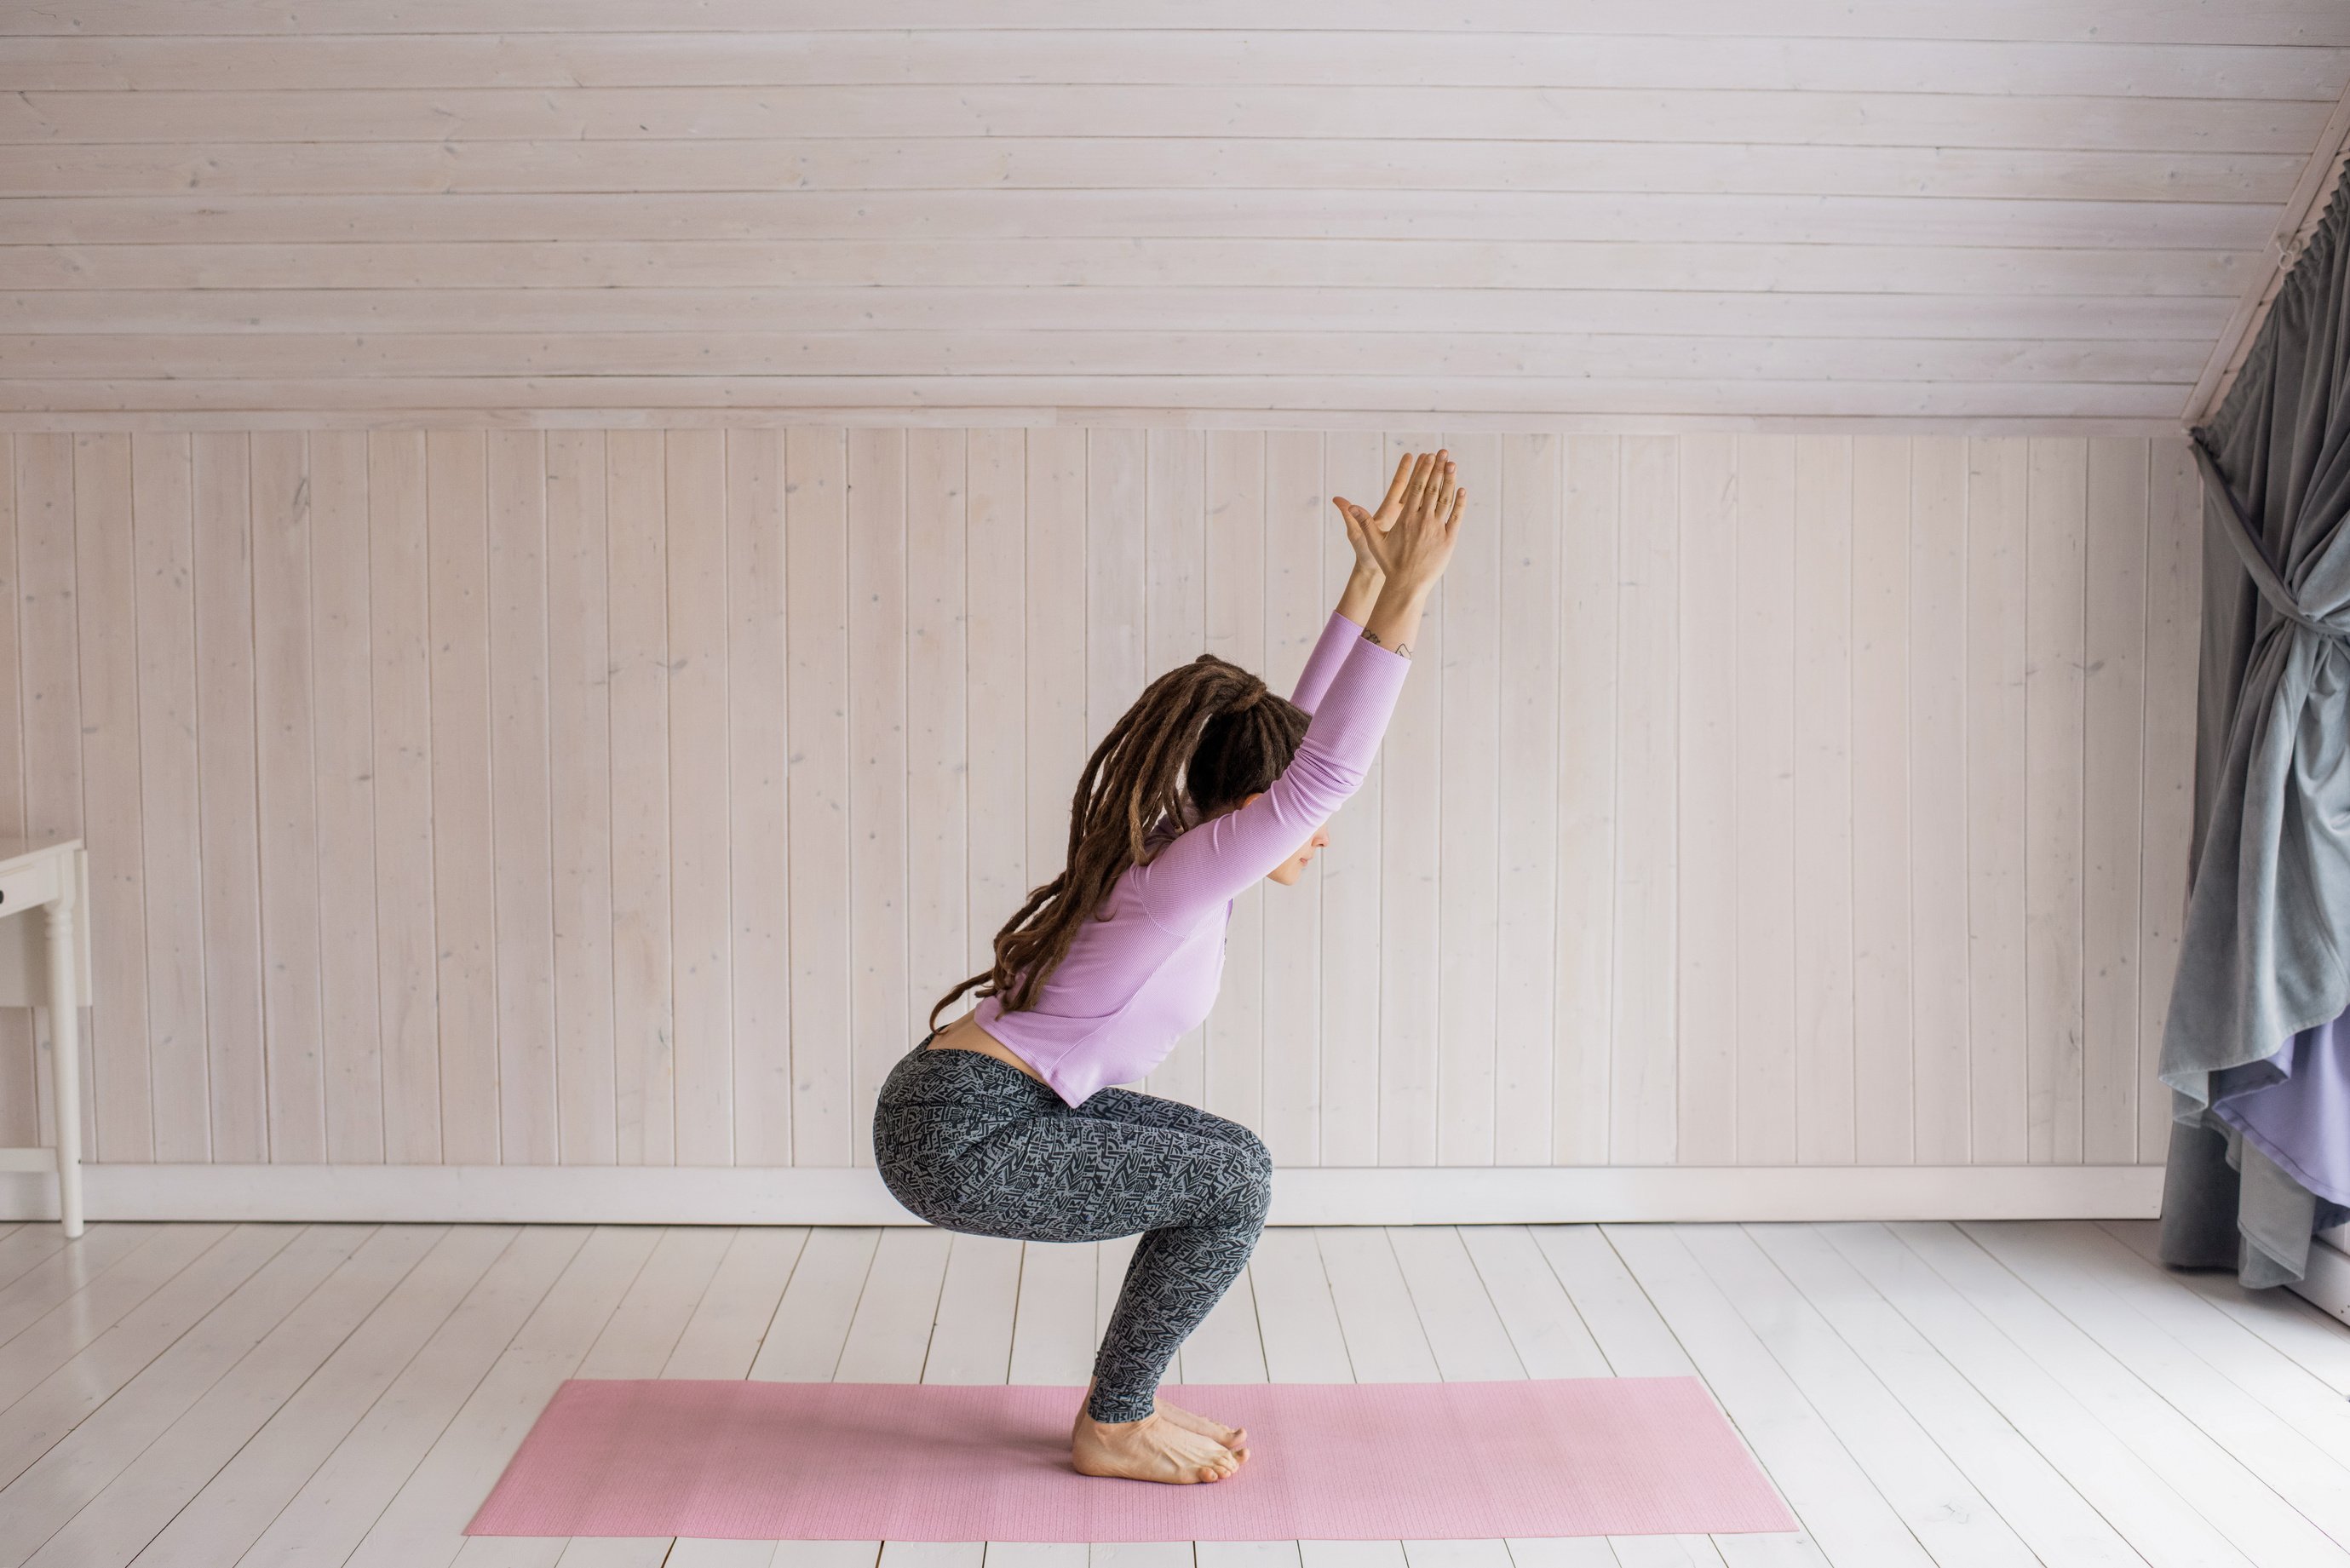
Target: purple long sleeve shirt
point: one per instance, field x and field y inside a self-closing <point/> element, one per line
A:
<point x="1134" y="982"/>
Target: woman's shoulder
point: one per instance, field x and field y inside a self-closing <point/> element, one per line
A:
<point x="1129" y="900"/>
<point x="1158" y="836"/>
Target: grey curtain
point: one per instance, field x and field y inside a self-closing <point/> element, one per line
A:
<point x="2268" y="915"/>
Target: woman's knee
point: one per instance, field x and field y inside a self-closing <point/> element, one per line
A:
<point x="1261" y="1154"/>
<point x="1245" y="1187"/>
<point x="1241" y="1137"/>
<point x="1257" y="1159"/>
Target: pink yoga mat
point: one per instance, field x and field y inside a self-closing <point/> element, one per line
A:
<point x="1329" y="1461"/>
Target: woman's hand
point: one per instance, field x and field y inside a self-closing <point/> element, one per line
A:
<point x="1415" y="547"/>
<point x="1411" y="535"/>
<point x="1361" y="524"/>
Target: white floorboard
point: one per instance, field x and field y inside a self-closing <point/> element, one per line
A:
<point x="1986" y="1394"/>
<point x="1948" y="1518"/>
<point x="2029" y="1493"/>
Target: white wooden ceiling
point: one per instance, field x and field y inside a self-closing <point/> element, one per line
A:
<point x="2000" y="213"/>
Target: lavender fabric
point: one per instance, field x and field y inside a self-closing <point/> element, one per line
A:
<point x="1145" y="969"/>
<point x="2294" y="1107"/>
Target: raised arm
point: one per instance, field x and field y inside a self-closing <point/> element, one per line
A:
<point x="1321" y="665"/>
<point x="1208" y="864"/>
<point x="1364" y="581"/>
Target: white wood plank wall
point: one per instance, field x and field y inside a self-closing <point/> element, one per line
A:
<point x="583" y="796"/>
<point x="2023" y="216"/>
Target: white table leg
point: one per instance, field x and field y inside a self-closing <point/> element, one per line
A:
<point x="65" y="1041"/>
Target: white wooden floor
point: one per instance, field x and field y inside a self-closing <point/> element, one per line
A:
<point x="326" y="1394"/>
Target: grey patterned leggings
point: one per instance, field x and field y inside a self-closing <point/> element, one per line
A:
<point x="973" y="1143"/>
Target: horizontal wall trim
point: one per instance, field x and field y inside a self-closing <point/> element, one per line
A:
<point x="1304" y="1194"/>
<point x="2326" y="1285"/>
<point x="1008" y="417"/>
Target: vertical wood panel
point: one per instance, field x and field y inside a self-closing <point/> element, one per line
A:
<point x="1642" y="1082"/>
<point x="994" y="683"/>
<point x="1589" y="601"/>
<point x="1765" y="780"/>
<point x="343" y="746"/>
<point x="1357" y="1029"/>
<point x="465" y="887"/>
<point x="878" y="1027"/>
<point x="287" y="779"/>
<point x="1884" y="1123"/>
<point x="1939" y="1016"/>
<point x="1409" y="954"/>
<point x="1705" y="947"/>
<point x="106" y="614"/>
<point x="2055" y="592"/>
<point x="938" y="730"/>
<point x="1233" y="611"/>
<point x="229" y="830"/>
<point x="2173" y="622"/>
<point x="758" y="797"/>
<point x="20" y="1121"/>
<point x="1468" y="848"/>
<point x="1058" y="462"/>
<point x="1825" y="1080"/>
<point x="719" y="720"/>
<point x="2113" y="784"/>
<point x="173" y="934"/>
<point x="579" y="737"/>
<point x="1525" y="510"/>
<point x="1998" y="782"/>
<point x="1174" y="633"/>
<point x="521" y="798"/>
<point x="1114" y="610"/>
<point x="51" y="672"/>
<point x="1299" y="517"/>
<point x="694" y="477"/>
<point x="643" y="976"/>
<point x="398" y="583"/>
<point x="815" y="572"/>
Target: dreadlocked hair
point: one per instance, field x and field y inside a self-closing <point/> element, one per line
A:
<point x="1198" y="740"/>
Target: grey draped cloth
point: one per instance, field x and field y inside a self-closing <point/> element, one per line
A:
<point x="2267" y="914"/>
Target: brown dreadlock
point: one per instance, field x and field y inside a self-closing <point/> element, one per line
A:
<point x="1203" y="736"/>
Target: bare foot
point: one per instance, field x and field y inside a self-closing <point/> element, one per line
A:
<point x="1230" y="1436"/>
<point x="1153" y="1448"/>
<point x="1234" y="1437"/>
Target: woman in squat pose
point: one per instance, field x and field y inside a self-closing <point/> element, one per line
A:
<point x="1001" y="1123"/>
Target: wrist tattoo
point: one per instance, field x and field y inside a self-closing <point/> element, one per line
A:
<point x="1402" y="647"/>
